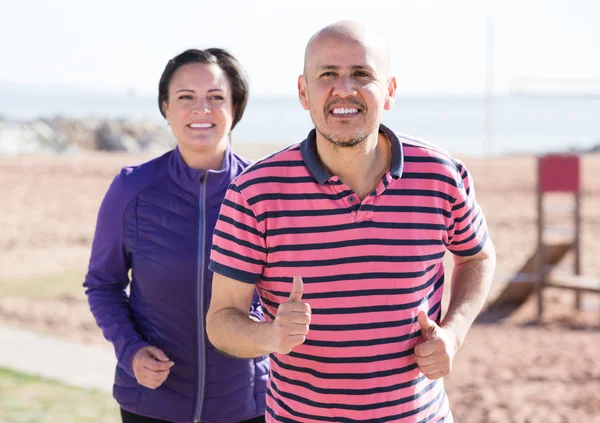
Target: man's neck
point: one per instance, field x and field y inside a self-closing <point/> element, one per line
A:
<point x="360" y="167"/>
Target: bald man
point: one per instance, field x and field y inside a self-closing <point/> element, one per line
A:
<point x="343" y="235"/>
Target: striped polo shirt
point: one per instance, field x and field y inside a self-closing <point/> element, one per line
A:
<point x="368" y="268"/>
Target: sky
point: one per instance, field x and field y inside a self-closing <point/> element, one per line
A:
<point x="437" y="47"/>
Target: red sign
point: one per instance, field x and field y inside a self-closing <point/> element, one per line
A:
<point x="558" y="173"/>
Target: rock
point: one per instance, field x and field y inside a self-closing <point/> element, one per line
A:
<point x="60" y="136"/>
<point x="109" y="138"/>
<point x="80" y="133"/>
<point x="11" y="136"/>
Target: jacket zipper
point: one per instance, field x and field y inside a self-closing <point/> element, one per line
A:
<point x="200" y="297"/>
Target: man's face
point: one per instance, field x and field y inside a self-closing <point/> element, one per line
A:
<point x="345" y="87"/>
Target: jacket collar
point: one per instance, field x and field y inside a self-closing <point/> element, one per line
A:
<point x="191" y="178"/>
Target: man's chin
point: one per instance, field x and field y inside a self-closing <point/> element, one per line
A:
<point x="344" y="140"/>
<point x="345" y="143"/>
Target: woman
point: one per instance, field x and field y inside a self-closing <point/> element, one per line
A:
<point x="157" y="220"/>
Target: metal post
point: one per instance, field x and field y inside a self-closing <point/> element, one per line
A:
<point x="577" y="245"/>
<point x="541" y="271"/>
<point x="489" y="88"/>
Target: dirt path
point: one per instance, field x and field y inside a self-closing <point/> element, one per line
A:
<point x="508" y="372"/>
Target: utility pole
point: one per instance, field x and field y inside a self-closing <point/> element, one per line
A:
<point x="488" y="147"/>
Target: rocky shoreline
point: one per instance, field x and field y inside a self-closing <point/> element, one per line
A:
<point x="65" y="136"/>
<point x="60" y="135"/>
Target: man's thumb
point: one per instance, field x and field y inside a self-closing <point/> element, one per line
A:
<point x="157" y="354"/>
<point x="427" y="325"/>
<point x="297" y="289"/>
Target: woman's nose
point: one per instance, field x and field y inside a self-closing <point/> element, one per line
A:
<point x="201" y="107"/>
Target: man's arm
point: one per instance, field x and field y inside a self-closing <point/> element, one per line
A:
<point x="228" y="325"/>
<point x="471" y="281"/>
<point x="232" y="331"/>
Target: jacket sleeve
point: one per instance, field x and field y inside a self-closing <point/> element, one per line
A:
<point x="107" y="277"/>
<point x="256" y="309"/>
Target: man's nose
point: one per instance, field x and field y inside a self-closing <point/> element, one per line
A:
<point x="345" y="87"/>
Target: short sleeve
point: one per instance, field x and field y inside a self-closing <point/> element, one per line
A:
<point x="468" y="231"/>
<point x="239" y="248"/>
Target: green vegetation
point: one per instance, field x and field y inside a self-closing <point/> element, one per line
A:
<point x="25" y="398"/>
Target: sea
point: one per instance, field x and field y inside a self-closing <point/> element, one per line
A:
<point x="468" y="125"/>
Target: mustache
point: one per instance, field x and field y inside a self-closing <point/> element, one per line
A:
<point x="355" y="102"/>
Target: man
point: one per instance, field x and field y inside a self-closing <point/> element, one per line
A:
<point x="344" y="236"/>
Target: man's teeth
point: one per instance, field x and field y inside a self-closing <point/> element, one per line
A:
<point x="201" y="125"/>
<point x="344" y="111"/>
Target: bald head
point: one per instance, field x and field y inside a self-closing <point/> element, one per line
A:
<point x="351" y="32"/>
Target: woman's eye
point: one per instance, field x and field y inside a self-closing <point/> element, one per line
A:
<point x="217" y="97"/>
<point x="185" y="97"/>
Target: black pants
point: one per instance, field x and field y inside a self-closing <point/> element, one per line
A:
<point x="136" y="418"/>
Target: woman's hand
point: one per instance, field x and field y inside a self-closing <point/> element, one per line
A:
<point x="151" y="367"/>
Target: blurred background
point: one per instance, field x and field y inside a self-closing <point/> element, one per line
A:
<point x="496" y="83"/>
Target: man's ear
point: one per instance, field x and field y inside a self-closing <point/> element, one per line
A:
<point x="391" y="93"/>
<point x="302" y="93"/>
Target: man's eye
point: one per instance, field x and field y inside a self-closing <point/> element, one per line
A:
<point x="362" y="74"/>
<point x="328" y="74"/>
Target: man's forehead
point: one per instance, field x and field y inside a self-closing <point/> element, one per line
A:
<point x="350" y="56"/>
<point x="348" y="48"/>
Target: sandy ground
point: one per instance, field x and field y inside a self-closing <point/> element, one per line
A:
<point x="514" y="371"/>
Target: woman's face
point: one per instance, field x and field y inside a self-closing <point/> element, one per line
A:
<point x="199" y="110"/>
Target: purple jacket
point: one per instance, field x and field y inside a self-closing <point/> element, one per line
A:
<point x="157" y="219"/>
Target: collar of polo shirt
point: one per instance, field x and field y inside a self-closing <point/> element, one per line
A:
<point x="313" y="165"/>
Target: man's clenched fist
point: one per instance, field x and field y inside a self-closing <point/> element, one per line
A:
<point x="292" y="321"/>
<point x="434" y="356"/>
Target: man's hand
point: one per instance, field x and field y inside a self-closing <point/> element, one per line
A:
<point x="291" y="324"/>
<point x="434" y="356"/>
<point x="151" y="367"/>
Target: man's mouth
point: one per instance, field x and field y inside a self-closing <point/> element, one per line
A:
<point x="345" y="111"/>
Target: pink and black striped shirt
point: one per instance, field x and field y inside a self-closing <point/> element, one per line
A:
<point x="368" y="268"/>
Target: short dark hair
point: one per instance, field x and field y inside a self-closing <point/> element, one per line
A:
<point x="236" y="75"/>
